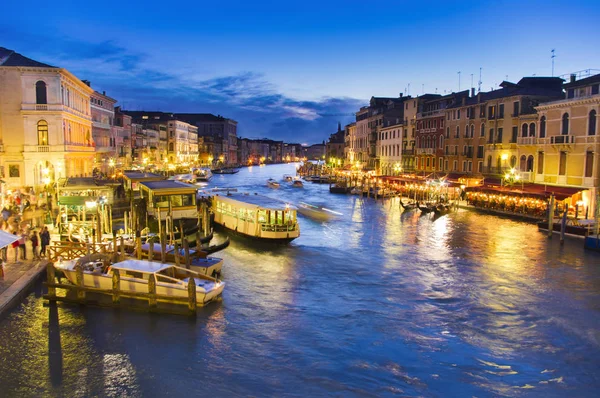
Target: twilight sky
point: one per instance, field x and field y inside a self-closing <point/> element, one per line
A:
<point x="291" y="70"/>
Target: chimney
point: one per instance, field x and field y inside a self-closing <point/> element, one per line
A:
<point x="573" y="78"/>
<point x="472" y="91"/>
<point x="401" y="95"/>
<point x="87" y="83"/>
<point x="104" y="93"/>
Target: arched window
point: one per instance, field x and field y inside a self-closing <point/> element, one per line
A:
<point x="565" y="124"/>
<point x="482" y="132"/>
<point x="42" y="130"/>
<point x="40" y="93"/>
<point x="592" y="123"/>
<point x="532" y="130"/>
<point x="513" y="161"/>
<point x="170" y="147"/>
<point x="530" y="163"/>
<point x="467" y="131"/>
<point x="441" y="142"/>
<point x="472" y="130"/>
<point x="523" y="163"/>
<point x="543" y="127"/>
<point x="447" y="132"/>
<point x="457" y="131"/>
<point x="524" y="130"/>
<point x="489" y="162"/>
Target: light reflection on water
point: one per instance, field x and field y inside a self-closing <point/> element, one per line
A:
<point x="378" y="302"/>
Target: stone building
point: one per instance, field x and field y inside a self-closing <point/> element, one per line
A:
<point x="45" y="123"/>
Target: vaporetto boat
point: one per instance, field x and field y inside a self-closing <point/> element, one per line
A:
<point x="171" y="281"/>
<point x="256" y="216"/>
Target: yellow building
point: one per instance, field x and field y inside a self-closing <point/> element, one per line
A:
<point x="45" y="123"/>
<point x="566" y="150"/>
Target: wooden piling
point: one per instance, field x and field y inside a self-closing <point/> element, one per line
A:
<point x="116" y="287"/>
<point x="163" y="247"/>
<point x="551" y="216"/>
<point x="563" y="226"/>
<point x="79" y="280"/>
<point x="50" y="273"/>
<point x="186" y="251"/>
<point x="138" y="245"/>
<point x="176" y="247"/>
<point x="152" y="292"/>
<point x="198" y="244"/>
<point x="192" y="304"/>
<point x="122" y="243"/>
<point x="150" y="249"/>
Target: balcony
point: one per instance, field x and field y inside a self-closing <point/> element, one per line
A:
<point x="408" y="152"/>
<point x="37" y="148"/>
<point x="53" y="108"/>
<point x="425" y="151"/>
<point x="437" y="112"/>
<point x="528" y="141"/>
<point x="562" y="139"/>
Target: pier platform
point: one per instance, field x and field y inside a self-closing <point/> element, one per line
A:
<point x="18" y="278"/>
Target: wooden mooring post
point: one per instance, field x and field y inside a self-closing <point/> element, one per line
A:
<point x="152" y="292"/>
<point x="116" y="285"/>
<point x="122" y="251"/>
<point x="51" y="275"/>
<point x="138" y="245"/>
<point x="79" y="280"/>
<point x="150" y="249"/>
<point x="192" y="304"/>
<point x="163" y="247"/>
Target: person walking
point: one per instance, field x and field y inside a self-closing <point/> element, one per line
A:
<point x="44" y="240"/>
<point x="22" y="247"/>
<point x="15" y="246"/>
<point x="34" y="245"/>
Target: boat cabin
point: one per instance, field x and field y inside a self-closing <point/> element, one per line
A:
<point x="132" y="179"/>
<point x="169" y="197"/>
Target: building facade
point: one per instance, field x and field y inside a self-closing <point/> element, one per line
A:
<point x="45" y="123"/>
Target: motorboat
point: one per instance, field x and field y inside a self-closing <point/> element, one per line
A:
<point x="202" y="174"/>
<point x="316" y="212"/>
<point x="225" y="171"/>
<point x="288" y="178"/>
<point x="271" y="183"/>
<point x="199" y="260"/>
<point x="170" y="280"/>
<point x="297" y="184"/>
<point x="187" y="178"/>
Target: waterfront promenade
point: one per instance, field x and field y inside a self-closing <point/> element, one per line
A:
<point x="18" y="278"/>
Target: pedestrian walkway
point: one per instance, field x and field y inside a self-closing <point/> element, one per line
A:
<point x="18" y="277"/>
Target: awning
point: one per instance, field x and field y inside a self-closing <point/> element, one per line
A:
<point x="6" y="239"/>
<point x="539" y="190"/>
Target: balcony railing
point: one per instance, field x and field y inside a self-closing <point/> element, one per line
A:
<point x="562" y="139"/>
<point x="528" y="141"/>
<point x="425" y="151"/>
<point x="54" y="108"/>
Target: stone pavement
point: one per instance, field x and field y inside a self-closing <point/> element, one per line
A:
<point x="18" y="277"/>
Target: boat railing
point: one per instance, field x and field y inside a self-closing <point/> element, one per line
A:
<point x="278" y="227"/>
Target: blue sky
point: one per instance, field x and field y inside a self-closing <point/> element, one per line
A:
<point x="292" y="70"/>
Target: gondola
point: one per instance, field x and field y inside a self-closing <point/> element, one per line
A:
<point x="408" y="206"/>
<point x="441" y="209"/>
<point x="425" y="208"/>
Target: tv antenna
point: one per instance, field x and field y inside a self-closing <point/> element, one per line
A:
<point x="553" y="56"/>
<point x="471" y="82"/>
<point x="479" y="82"/>
<point x="458" y="80"/>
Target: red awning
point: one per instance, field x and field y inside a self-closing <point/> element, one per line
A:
<point x="540" y="190"/>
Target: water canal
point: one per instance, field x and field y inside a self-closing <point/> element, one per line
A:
<point x="374" y="303"/>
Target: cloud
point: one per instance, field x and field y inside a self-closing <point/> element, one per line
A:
<point x="248" y="97"/>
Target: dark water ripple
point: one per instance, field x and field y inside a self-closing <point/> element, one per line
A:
<point x="376" y="302"/>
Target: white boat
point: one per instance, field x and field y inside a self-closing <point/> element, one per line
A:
<point x="271" y="183"/>
<point x="256" y="216"/>
<point x="202" y="174"/>
<point x="288" y="177"/>
<point x="187" y="178"/>
<point x="202" y="265"/>
<point x="171" y="281"/>
<point x="315" y="212"/>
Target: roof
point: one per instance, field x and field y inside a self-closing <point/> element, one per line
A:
<point x="540" y="190"/>
<point x="191" y="118"/>
<point x="138" y="175"/>
<point x="583" y="82"/>
<point x="142" y="266"/>
<point x="256" y="201"/>
<point x="12" y="58"/>
<point x="167" y="185"/>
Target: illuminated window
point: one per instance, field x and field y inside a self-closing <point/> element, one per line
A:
<point x="42" y="130"/>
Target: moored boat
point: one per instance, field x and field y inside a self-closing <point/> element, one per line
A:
<point x="408" y="206"/>
<point x="199" y="260"/>
<point x="170" y="280"/>
<point x="271" y="183"/>
<point x="256" y="216"/>
<point x="225" y="171"/>
<point x="576" y="228"/>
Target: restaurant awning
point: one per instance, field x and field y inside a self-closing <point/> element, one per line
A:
<point x="540" y="190"/>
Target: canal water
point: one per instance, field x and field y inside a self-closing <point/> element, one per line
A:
<point x="374" y="302"/>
